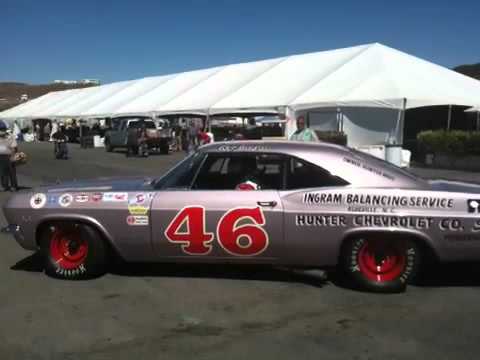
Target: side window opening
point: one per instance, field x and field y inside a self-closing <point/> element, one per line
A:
<point x="232" y="171"/>
<point x="302" y="174"/>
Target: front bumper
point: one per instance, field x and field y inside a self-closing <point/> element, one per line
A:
<point x="18" y="234"/>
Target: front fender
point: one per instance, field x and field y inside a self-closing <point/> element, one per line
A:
<point x="77" y="218"/>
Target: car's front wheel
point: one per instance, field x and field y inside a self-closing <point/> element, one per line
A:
<point x="378" y="264"/>
<point x="73" y="251"/>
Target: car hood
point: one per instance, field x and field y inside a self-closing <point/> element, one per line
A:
<point x="454" y="186"/>
<point x="102" y="185"/>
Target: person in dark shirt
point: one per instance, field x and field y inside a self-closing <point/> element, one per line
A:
<point x="60" y="140"/>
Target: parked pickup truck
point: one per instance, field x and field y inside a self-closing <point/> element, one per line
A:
<point x="158" y="139"/>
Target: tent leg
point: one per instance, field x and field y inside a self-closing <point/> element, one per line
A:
<point x="400" y="128"/>
<point x="449" y="119"/>
<point x="478" y="121"/>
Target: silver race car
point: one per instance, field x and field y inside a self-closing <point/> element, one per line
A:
<point x="256" y="202"/>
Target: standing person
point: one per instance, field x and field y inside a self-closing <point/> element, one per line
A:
<point x="54" y="129"/>
<point x="132" y="141"/>
<point x="46" y="132"/>
<point x="303" y="133"/>
<point x="60" y="140"/>
<point x="191" y="136"/>
<point x="37" y="132"/>
<point x="16" y="131"/>
<point x="178" y="137"/>
<point x="8" y="148"/>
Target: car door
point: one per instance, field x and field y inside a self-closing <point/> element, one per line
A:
<point x="116" y="135"/>
<point x="315" y="218"/>
<point x="212" y="219"/>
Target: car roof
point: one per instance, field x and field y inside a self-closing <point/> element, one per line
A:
<point x="281" y="146"/>
<point x="357" y="168"/>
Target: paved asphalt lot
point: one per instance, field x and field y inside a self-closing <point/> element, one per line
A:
<point x="204" y="312"/>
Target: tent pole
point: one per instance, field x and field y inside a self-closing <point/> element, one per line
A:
<point x="478" y="120"/>
<point x="401" y="121"/>
<point x="449" y="119"/>
<point x="207" y="119"/>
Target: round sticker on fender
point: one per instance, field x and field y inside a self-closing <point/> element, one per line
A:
<point x="38" y="201"/>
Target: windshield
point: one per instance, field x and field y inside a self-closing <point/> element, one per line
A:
<point x="182" y="175"/>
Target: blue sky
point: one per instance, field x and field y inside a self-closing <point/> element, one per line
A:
<point x="43" y="40"/>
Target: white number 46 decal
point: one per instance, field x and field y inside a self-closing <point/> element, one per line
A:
<point x="240" y="240"/>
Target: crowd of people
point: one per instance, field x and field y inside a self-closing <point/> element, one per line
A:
<point x="189" y="135"/>
<point x="186" y="136"/>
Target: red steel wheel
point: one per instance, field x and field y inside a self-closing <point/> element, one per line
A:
<point x="68" y="249"/>
<point x="73" y="250"/>
<point x="381" y="260"/>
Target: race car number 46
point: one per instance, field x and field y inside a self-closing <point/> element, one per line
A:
<point x="239" y="240"/>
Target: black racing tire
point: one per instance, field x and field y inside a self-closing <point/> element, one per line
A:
<point x="73" y="251"/>
<point x="378" y="264"/>
<point x="108" y="146"/>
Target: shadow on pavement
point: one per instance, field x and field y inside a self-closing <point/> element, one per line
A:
<point x="442" y="275"/>
<point x="453" y="275"/>
<point x="221" y="271"/>
<point x="32" y="263"/>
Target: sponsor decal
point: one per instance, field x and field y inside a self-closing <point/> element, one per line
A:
<point x="450" y="225"/>
<point x="242" y="148"/>
<point x="52" y="200"/>
<point x="115" y="197"/>
<point x="65" y="200"/>
<point x="137" y="220"/>
<point x="137" y="210"/>
<point x="473" y="205"/>
<point x="367" y="200"/>
<point x="81" y="198"/>
<point x="368" y="167"/>
<point x="321" y="220"/>
<point x="38" y="201"/>
<point x="418" y="223"/>
<point x="96" y="197"/>
<point x="139" y="198"/>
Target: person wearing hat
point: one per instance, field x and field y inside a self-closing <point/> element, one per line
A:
<point x="8" y="148"/>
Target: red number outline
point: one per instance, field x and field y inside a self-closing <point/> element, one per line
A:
<point x="187" y="243"/>
<point x="258" y="225"/>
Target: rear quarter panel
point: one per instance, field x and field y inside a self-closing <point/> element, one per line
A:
<point x="318" y="220"/>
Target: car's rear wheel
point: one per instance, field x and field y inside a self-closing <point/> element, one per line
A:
<point x="73" y="251"/>
<point x="378" y="264"/>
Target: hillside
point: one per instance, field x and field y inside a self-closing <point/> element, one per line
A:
<point x="472" y="70"/>
<point x="10" y="92"/>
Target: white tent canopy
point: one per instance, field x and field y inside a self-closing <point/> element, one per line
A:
<point x="371" y="75"/>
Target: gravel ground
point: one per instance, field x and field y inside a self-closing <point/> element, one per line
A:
<point x="220" y="312"/>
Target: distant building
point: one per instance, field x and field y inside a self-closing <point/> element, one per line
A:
<point x="90" y="81"/>
<point x="78" y="82"/>
<point x="66" y="82"/>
